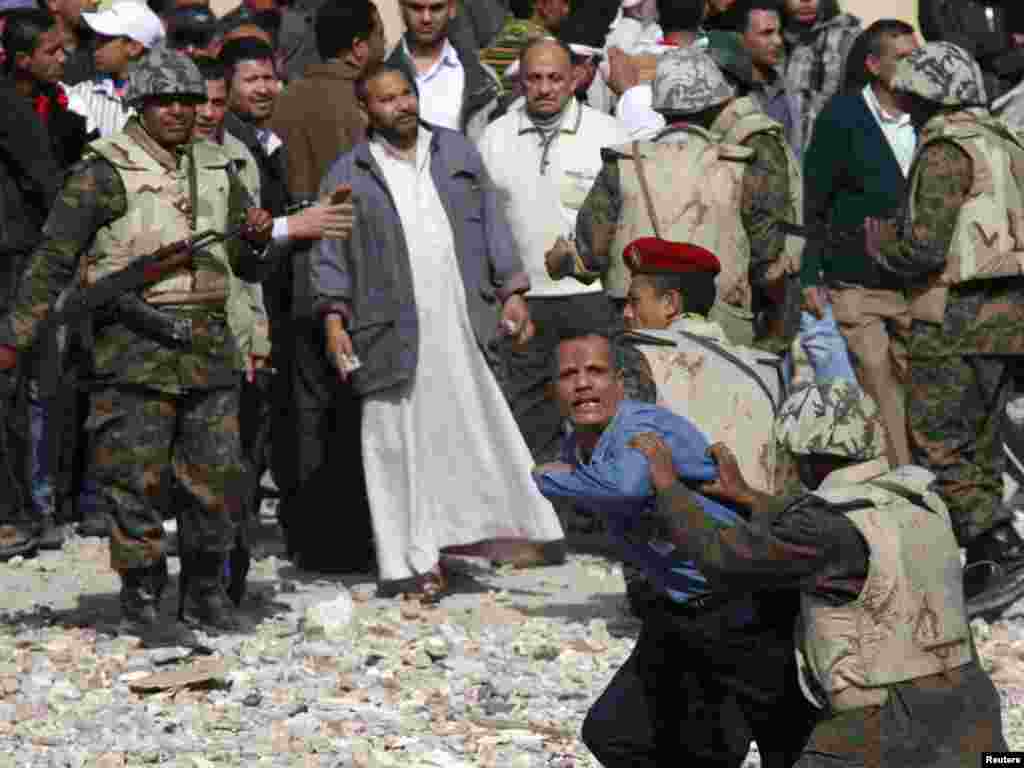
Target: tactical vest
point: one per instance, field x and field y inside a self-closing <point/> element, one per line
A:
<point x="161" y="210"/>
<point x="696" y="182"/>
<point x="731" y="393"/>
<point x="742" y="119"/>
<point x="988" y="241"/>
<point x="909" y="620"/>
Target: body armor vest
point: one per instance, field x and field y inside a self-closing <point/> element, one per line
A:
<point x="988" y="241"/>
<point x="909" y="620"/>
<point x="162" y="209"/>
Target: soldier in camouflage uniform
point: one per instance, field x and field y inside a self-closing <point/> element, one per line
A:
<point x="152" y="405"/>
<point x="870" y="548"/>
<point x="720" y="176"/>
<point x="958" y="246"/>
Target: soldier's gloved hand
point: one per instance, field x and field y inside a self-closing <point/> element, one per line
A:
<point x="259" y="226"/>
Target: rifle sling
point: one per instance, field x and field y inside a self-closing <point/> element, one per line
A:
<point x="712" y="347"/>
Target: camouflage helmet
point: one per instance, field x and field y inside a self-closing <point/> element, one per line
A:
<point x="163" y="72"/>
<point x="835" y="417"/>
<point x="688" y="81"/>
<point x="943" y="74"/>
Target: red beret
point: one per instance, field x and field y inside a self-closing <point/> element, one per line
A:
<point x="652" y="254"/>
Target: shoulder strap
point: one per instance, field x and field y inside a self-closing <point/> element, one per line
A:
<point x="738" y="362"/>
<point x="657" y="341"/>
<point x="639" y="163"/>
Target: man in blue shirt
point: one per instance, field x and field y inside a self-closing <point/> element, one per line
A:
<point x="709" y="671"/>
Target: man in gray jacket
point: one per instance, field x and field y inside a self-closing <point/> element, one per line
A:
<point x="409" y="308"/>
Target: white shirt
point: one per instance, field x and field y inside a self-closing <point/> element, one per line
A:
<point x="441" y="88"/>
<point x="898" y="130"/>
<point x="542" y="189"/>
<point x="99" y="103"/>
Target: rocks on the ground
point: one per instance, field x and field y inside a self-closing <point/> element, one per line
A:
<point x="484" y="680"/>
<point x="329" y="619"/>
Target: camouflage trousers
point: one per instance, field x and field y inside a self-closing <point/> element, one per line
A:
<point x="140" y="439"/>
<point x="956" y="417"/>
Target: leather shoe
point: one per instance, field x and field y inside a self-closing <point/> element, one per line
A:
<point x="994" y="572"/>
<point x="17" y="539"/>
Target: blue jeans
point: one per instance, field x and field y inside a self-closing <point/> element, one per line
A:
<point x="825" y="348"/>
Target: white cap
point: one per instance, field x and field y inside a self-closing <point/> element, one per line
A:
<point x="631" y="3"/>
<point x="127" y="18"/>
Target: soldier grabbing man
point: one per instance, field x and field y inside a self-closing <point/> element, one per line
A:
<point x="883" y="630"/>
<point x="958" y="246"/>
<point x="154" y="405"/>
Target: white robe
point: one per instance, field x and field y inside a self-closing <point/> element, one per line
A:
<point x="445" y="462"/>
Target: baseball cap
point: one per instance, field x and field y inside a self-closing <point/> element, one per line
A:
<point x="127" y="18"/>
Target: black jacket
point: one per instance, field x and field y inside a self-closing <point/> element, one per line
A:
<point x="34" y="154"/>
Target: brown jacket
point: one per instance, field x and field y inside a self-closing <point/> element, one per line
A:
<point x="318" y="119"/>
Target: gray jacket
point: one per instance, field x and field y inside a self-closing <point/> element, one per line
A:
<point x="368" y="278"/>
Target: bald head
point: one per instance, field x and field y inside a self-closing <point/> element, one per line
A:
<point x="547" y="76"/>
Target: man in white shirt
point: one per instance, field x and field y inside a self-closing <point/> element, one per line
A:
<point x="455" y="90"/>
<point x="543" y="158"/>
<point x="124" y="32"/>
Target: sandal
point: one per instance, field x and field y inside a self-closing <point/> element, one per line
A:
<point x="429" y="588"/>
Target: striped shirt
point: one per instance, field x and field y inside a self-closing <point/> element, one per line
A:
<point x="100" y="103"/>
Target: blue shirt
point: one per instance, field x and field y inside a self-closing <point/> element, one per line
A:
<point x="616" y="483"/>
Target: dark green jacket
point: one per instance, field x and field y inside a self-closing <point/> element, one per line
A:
<point x="850" y="173"/>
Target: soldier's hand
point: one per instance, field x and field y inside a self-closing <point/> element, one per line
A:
<point x="515" y="320"/>
<point x="877" y="234"/>
<point x="731" y="485"/>
<point x="659" y="459"/>
<point x="623" y="73"/>
<point x="815" y="299"/>
<point x="559" y="260"/>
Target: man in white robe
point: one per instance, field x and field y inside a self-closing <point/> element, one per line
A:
<point x="409" y="312"/>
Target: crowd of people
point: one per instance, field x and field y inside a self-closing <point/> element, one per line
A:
<point x="735" y="283"/>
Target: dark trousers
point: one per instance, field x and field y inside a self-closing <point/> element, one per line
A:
<point x="528" y="371"/>
<point x="697" y="689"/>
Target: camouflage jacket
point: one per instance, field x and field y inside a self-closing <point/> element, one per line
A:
<point x="982" y="317"/>
<point x="92" y="197"/>
<point x="765" y="192"/>
<point x="804" y="544"/>
<point x="815" y="64"/>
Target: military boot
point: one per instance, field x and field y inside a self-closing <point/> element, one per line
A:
<point x="141" y="590"/>
<point x="206" y="599"/>
<point x="994" y="572"/>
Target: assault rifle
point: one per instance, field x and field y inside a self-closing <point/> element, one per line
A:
<point x="121" y="288"/>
